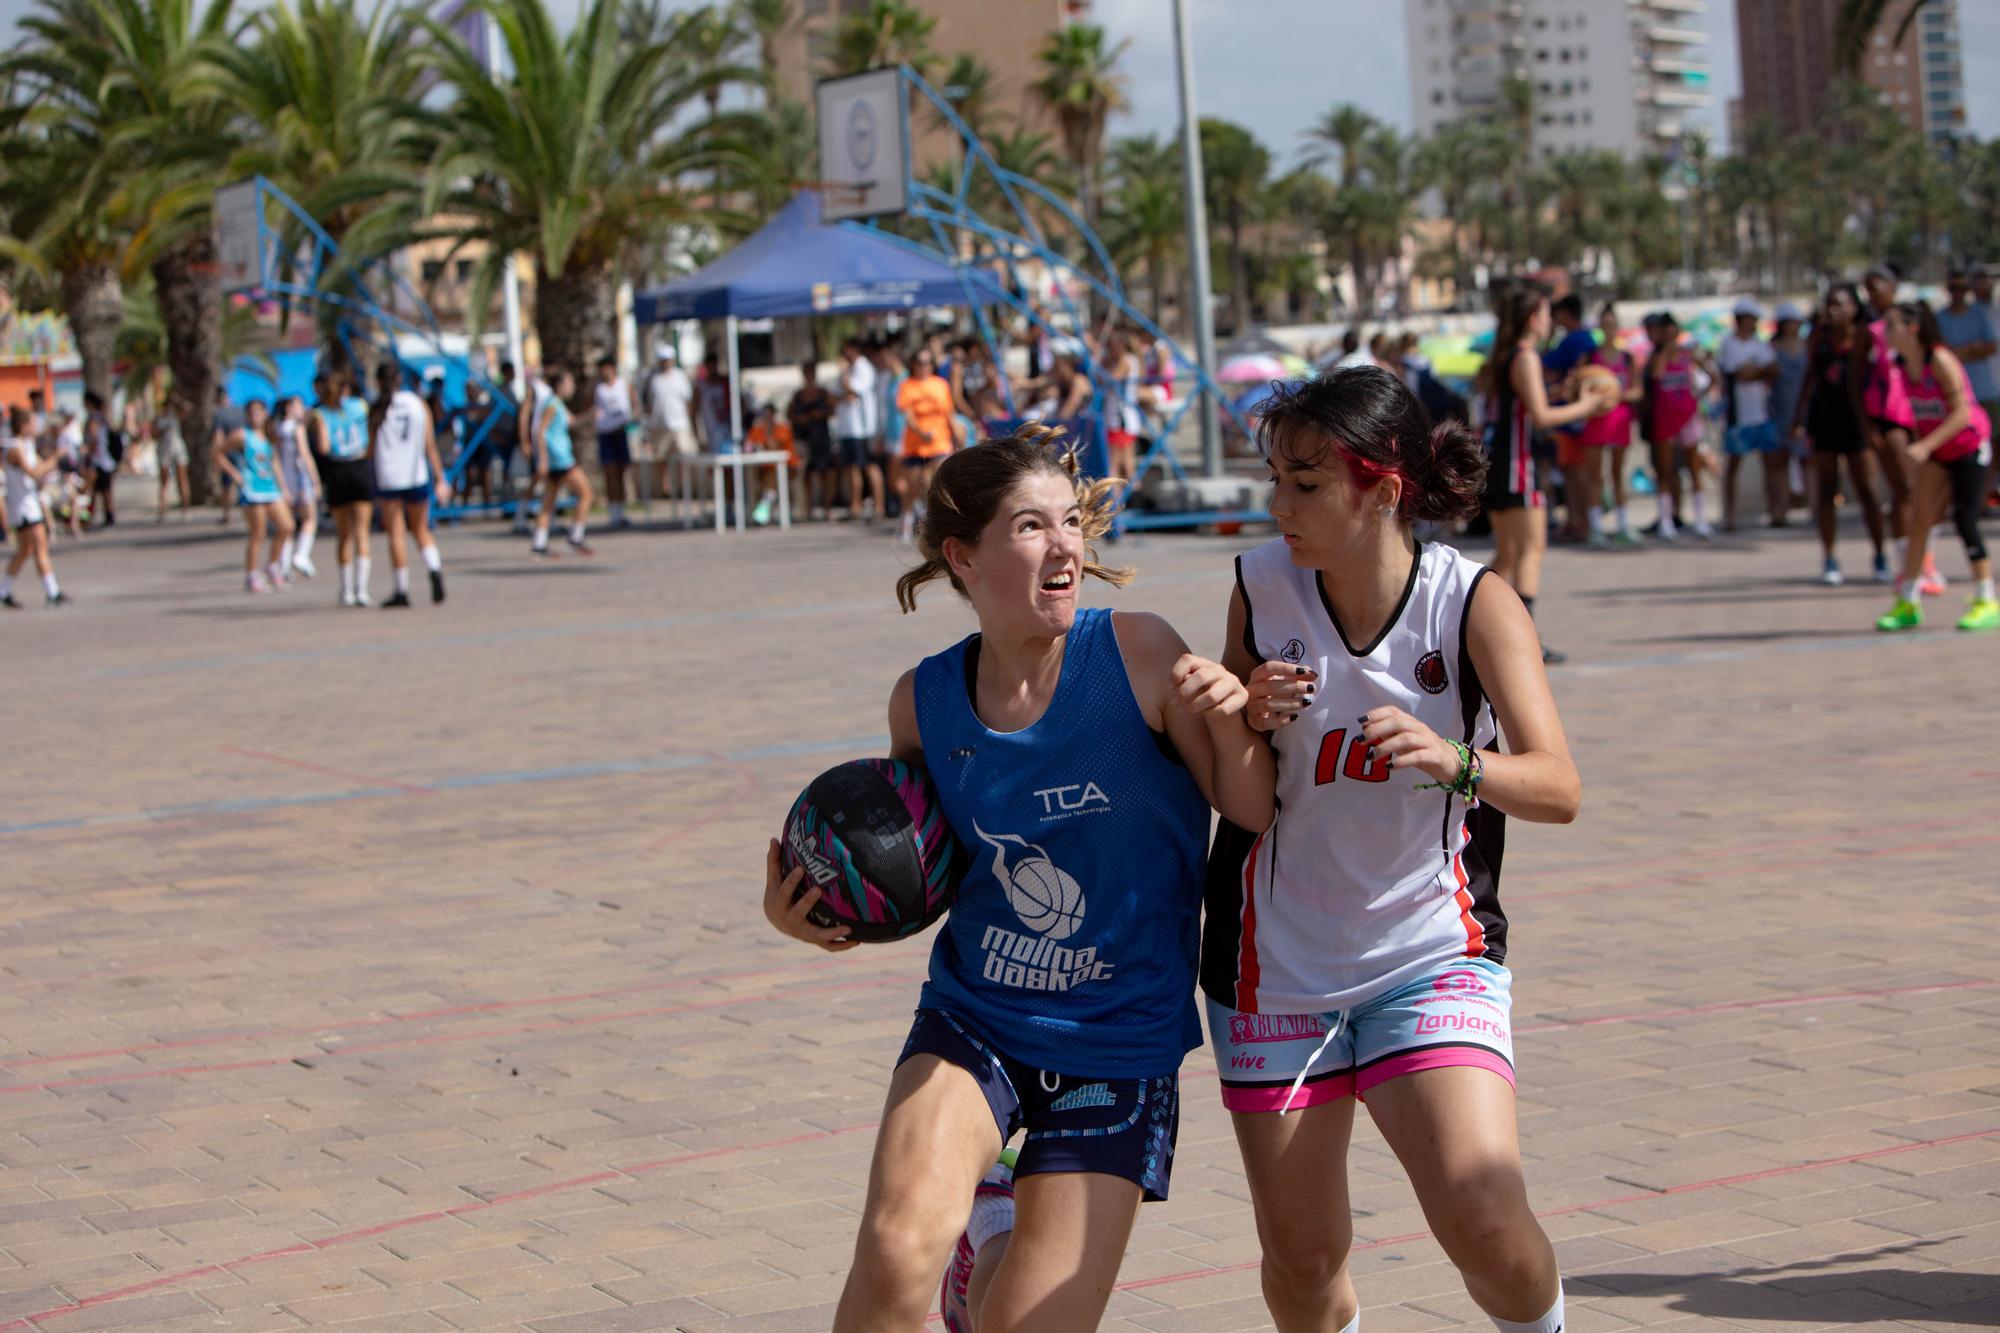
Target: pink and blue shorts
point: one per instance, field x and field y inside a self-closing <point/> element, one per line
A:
<point x="1456" y="1014"/>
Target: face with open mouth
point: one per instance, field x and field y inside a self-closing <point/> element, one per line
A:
<point x="1023" y="575"/>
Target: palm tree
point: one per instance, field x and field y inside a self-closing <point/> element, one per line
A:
<point x="1236" y="166"/>
<point x="888" y="32"/>
<point x="1144" y="218"/>
<point x="176" y="141"/>
<point x="1344" y="130"/>
<point x="1856" y="21"/>
<point x="711" y="38"/>
<point x="1080" y="83"/>
<point x="1455" y="161"/>
<point x="572" y="158"/>
<point x="334" y="98"/>
<point x="56" y="158"/>
<point x="144" y="352"/>
<point x="970" y="88"/>
<point x="768" y="21"/>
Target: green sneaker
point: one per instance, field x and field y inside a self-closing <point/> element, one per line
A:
<point x="1905" y="614"/>
<point x="1981" y="613"/>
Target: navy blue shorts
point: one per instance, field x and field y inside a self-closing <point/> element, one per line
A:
<point x="414" y="495"/>
<point x="1123" y="1127"/>
<point x="614" y="448"/>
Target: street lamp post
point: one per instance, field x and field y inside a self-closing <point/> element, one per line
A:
<point x="1197" y="224"/>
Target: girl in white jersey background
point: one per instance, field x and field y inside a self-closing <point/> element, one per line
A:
<point x="1354" y="950"/>
<point x="407" y="468"/>
<point x="22" y="470"/>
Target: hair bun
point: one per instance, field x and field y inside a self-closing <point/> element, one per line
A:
<point x="1446" y="479"/>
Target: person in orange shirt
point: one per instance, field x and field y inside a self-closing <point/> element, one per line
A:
<point x="931" y="430"/>
<point x="767" y="433"/>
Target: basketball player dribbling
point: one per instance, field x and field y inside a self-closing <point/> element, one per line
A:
<point x="1076" y="754"/>
<point x="1354" y="949"/>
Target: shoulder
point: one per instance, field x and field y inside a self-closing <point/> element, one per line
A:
<point x="1145" y="636"/>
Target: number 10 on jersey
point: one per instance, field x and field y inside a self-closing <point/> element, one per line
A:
<point x="1358" y="768"/>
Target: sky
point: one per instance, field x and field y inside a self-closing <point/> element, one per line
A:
<point x="1277" y="65"/>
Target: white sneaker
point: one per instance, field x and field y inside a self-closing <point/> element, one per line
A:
<point x="1704" y="531"/>
<point x="304" y="565"/>
<point x="362" y="599"/>
<point x="346" y="598"/>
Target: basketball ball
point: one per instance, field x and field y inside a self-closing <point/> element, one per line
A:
<point x="873" y="839"/>
<point x="1600" y="378"/>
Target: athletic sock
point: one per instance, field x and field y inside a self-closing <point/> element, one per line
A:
<point x="1353" y="1325"/>
<point x="361" y="576"/>
<point x="1700" y="508"/>
<point x="576" y="533"/>
<point x="1985" y="592"/>
<point x="347" y="578"/>
<point x="1669" y="511"/>
<point x="617" y="513"/>
<point x="432" y="560"/>
<point x="6" y="585"/>
<point x="302" y="552"/>
<point x="1552" y="1322"/>
<point x="540" y="541"/>
<point x="283" y="561"/>
<point x="1594" y="517"/>
<point x="49" y="586"/>
<point x="403" y="581"/>
<point x="1624" y="522"/>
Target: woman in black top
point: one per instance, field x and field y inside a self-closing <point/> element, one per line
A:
<point x="1830" y="414"/>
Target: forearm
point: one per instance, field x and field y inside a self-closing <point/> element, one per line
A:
<point x="1538" y="787"/>
<point x="1243" y="773"/>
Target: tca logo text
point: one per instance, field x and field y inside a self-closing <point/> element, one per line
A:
<point x="1074" y="798"/>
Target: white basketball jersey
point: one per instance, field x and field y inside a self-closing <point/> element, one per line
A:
<point x="1362" y="881"/>
<point x="400" y="461"/>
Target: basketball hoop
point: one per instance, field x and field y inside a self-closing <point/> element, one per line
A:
<point x="841" y="197"/>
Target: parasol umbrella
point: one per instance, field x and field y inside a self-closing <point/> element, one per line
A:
<point x="1250" y="369"/>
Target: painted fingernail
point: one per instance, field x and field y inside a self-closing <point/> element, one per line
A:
<point x="1300" y="670"/>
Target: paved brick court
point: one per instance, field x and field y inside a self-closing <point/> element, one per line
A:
<point x="405" y="971"/>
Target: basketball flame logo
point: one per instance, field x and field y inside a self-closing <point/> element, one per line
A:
<point x="1041" y="893"/>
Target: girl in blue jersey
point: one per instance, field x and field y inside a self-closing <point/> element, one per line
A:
<point x="338" y="432"/>
<point x="1354" y="950"/>
<point x="555" y="465"/>
<point x="1076" y="753"/>
<point x="249" y="458"/>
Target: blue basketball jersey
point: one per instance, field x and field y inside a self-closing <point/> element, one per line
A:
<point x="346" y="427"/>
<point x="555" y="438"/>
<point x="259" y="470"/>
<point x="1073" y="938"/>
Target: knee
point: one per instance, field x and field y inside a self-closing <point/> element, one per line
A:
<point x="1492" y="1234"/>
<point x="1304" y="1265"/>
<point x="898" y="1259"/>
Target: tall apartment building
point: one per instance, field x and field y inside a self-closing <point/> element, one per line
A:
<point x="1616" y="74"/>
<point x="1788" y="62"/>
<point x="1007" y="37"/>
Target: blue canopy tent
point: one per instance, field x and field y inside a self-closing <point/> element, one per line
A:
<point x="797" y="265"/>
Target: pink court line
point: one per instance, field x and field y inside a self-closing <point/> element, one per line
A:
<point x="418" y="1219"/>
<point x="420" y="1015"/>
<point x="1640" y="879"/>
<point x="1693" y="1187"/>
<point x="323" y="771"/>
<point x="440" y="1038"/>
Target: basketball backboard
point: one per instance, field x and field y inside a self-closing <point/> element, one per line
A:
<point x="239" y="236"/>
<point x="864" y="145"/>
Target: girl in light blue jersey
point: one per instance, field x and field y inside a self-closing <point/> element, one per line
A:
<point x="1077" y="753"/>
<point x="338" y="431"/>
<point x="249" y="458"/>
<point x="555" y="466"/>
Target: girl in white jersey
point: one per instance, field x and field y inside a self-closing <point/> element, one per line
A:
<point x="406" y="469"/>
<point x="1354" y="950"/>
<point x="22" y="469"/>
<point x="301" y="479"/>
